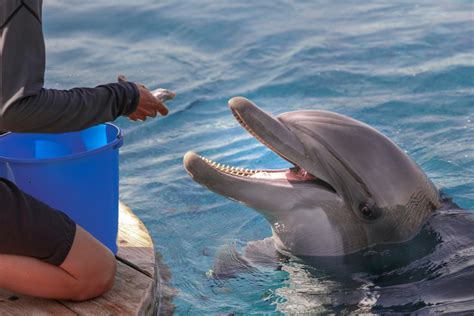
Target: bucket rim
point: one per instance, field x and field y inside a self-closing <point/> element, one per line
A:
<point x="116" y="143"/>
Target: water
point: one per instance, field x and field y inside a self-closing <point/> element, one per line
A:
<point x="407" y="69"/>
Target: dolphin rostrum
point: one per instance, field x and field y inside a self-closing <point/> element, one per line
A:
<point x="350" y="188"/>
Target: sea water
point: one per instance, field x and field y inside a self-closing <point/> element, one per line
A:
<point x="405" y="68"/>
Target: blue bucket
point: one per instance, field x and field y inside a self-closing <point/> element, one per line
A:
<point x="77" y="173"/>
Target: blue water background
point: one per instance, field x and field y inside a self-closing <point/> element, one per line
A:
<point x="405" y="68"/>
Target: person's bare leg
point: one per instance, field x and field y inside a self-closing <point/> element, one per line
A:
<point x="88" y="271"/>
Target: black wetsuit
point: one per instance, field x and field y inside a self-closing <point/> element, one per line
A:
<point x="27" y="226"/>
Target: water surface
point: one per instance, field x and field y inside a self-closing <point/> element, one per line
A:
<point x="407" y="69"/>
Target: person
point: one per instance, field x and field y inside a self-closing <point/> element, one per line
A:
<point x="43" y="252"/>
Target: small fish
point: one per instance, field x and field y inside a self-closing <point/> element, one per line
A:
<point x="161" y="94"/>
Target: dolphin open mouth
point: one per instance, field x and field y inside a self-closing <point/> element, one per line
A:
<point x="271" y="133"/>
<point x="291" y="174"/>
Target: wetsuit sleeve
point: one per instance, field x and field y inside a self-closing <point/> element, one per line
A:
<point x="25" y="106"/>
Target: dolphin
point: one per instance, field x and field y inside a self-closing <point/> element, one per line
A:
<point x="356" y="223"/>
<point x="350" y="187"/>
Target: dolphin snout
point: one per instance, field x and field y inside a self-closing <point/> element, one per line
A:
<point x="205" y="173"/>
<point x="267" y="129"/>
<point x="192" y="163"/>
<point x="240" y="104"/>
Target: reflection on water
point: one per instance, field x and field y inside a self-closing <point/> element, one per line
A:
<point x="407" y="69"/>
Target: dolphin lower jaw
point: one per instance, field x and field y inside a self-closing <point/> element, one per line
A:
<point x="227" y="180"/>
<point x="244" y="187"/>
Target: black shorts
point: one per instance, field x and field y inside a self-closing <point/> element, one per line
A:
<point x="30" y="228"/>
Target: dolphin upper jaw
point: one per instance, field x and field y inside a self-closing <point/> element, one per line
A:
<point x="267" y="129"/>
<point x="281" y="137"/>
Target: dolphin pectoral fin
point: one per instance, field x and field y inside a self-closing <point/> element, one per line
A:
<point x="263" y="253"/>
<point x="259" y="253"/>
<point x="229" y="263"/>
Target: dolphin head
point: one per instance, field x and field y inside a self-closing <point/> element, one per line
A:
<point x="350" y="188"/>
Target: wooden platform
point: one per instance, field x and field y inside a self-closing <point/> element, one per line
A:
<point x="135" y="289"/>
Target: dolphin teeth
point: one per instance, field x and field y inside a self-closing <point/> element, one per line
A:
<point x="241" y="172"/>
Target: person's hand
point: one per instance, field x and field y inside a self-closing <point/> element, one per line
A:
<point x="150" y="103"/>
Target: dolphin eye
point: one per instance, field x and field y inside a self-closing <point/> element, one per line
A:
<point x="366" y="211"/>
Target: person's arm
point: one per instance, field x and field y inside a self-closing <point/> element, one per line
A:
<point x="25" y="106"/>
<point x="56" y="111"/>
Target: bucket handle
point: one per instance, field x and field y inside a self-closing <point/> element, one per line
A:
<point x="119" y="142"/>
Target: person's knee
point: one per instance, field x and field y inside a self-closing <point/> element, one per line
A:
<point x="105" y="281"/>
<point x="95" y="285"/>
<point x="92" y="265"/>
<point x="108" y="279"/>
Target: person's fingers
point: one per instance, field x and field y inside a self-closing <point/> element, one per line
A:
<point x="151" y="102"/>
<point x="150" y="105"/>
<point x="161" y="107"/>
<point x="134" y="117"/>
<point x="139" y="114"/>
<point x="148" y="110"/>
<point x="139" y="118"/>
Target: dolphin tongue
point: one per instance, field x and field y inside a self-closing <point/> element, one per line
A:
<point x="293" y="174"/>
